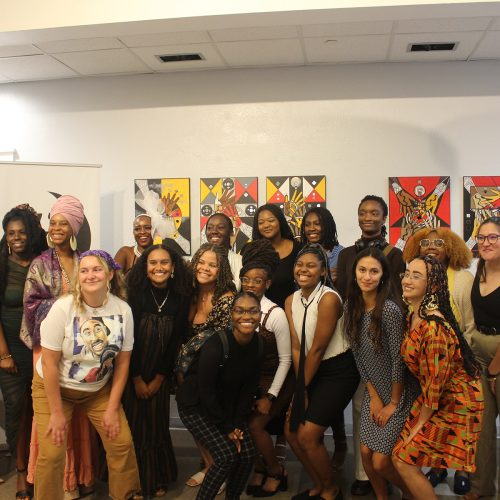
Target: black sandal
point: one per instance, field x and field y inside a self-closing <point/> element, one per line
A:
<point x="27" y="493"/>
<point x="282" y="485"/>
<point x="254" y="488"/>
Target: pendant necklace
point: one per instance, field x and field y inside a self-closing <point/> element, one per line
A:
<point x="160" y="306"/>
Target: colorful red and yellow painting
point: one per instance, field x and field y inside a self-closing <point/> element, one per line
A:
<point x="295" y="195"/>
<point x="481" y="200"/>
<point x="415" y="203"/>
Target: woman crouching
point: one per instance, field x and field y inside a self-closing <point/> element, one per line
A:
<point x="86" y="341"/>
<point x="217" y="396"/>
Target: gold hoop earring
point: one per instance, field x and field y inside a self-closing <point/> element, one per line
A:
<point x="433" y="303"/>
<point x="73" y="243"/>
<point x="50" y="243"/>
<point x="405" y="300"/>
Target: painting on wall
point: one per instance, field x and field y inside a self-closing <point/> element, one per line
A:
<point x="481" y="200"/>
<point x="236" y="197"/>
<point x="416" y="203"/>
<point x="295" y="195"/>
<point x="167" y="202"/>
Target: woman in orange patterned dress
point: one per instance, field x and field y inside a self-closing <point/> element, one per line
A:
<point x="444" y="423"/>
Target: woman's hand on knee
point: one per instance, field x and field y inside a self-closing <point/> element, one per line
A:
<point x="111" y="423"/>
<point x="57" y="428"/>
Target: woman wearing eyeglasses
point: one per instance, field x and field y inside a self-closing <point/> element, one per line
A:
<point x="443" y="426"/>
<point x="486" y="346"/>
<point x="276" y="380"/>
<point x="452" y="252"/>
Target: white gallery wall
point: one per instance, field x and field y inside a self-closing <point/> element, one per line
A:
<point x="357" y="124"/>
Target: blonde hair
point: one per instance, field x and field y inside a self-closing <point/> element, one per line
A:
<point x="458" y="254"/>
<point x="116" y="285"/>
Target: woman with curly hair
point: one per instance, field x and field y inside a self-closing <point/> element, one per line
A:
<point x="158" y="295"/>
<point x="270" y="223"/>
<point x="23" y="240"/>
<point x="486" y="346"/>
<point x="452" y="252"/>
<point x="374" y="326"/>
<point x="444" y="423"/>
<point x="210" y="309"/>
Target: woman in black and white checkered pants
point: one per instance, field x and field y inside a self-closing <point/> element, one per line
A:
<point x="217" y="396"/>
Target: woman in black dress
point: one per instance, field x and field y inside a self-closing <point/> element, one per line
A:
<point x="270" y="223"/>
<point x="23" y="240"/>
<point x="158" y="297"/>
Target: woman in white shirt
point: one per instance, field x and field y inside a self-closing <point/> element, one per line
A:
<point x="85" y="337"/>
<point x="324" y="366"/>
<point x="260" y="260"/>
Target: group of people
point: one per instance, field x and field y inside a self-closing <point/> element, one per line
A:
<point x="273" y="342"/>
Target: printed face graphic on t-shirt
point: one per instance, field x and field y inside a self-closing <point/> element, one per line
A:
<point x="94" y="335"/>
<point x="96" y="342"/>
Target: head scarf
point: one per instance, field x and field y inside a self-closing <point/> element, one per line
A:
<point x="112" y="264"/>
<point x="71" y="209"/>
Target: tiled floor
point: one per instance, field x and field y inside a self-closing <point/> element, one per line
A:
<point x="188" y="462"/>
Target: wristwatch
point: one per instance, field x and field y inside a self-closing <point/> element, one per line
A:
<point x="270" y="397"/>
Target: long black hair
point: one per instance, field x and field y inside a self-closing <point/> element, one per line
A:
<point x="224" y="281"/>
<point x="329" y="239"/>
<point x="437" y="290"/>
<point x="481" y="269"/>
<point x="36" y="242"/>
<point x="355" y="305"/>
<point x="138" y="282"/>
<point x="285" y="230"/>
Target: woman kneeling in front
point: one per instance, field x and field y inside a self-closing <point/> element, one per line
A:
<point x="85" y="338"/>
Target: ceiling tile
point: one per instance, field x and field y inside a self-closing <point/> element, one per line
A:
<point x="496" y="24"/>
<point x="466" y="43"/>
<point x="489" y="47"/>
<point x="254" y="33"/>
<point x="19" y="50"/>
<point x="446" y="25"/>
<point x="339" y="29"/>
<point x="79" y="45"/>
<point x="158" y="39"/>
<point x="262" y="52"/>
<point x="347" y="48"/>
<point x="37" y="67"/>
<point x="97" y="62"/>
<point x="211" y="58"/>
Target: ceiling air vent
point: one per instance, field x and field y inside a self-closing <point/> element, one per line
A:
<point x="432" y="47"/>
<point x="168" y="58"/>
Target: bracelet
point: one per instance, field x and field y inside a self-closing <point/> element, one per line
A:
<point x="394" y="402"/>
<point x="5" y="356"/>
<point x="489" y="375"/>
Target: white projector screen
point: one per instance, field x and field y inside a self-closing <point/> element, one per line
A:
<point x="39" y="184"/>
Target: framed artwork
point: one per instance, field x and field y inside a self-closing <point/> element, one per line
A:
<point x="236" y="197"/>
<point x="167" y="202"/>
<point x="481" y="200"/>
<point x="415" y="203"/>
<point x="295" y="195"/>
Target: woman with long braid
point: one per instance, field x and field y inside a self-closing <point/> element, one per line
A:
<point x="276" y="379"/>
<point x="444" y="423"/>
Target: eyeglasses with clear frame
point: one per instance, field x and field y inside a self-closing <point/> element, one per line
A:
<point x="491" y="238"/>
<point x="437" y="243"/>
<point x="252" y="281"/>
<point x="412" y="277"/>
